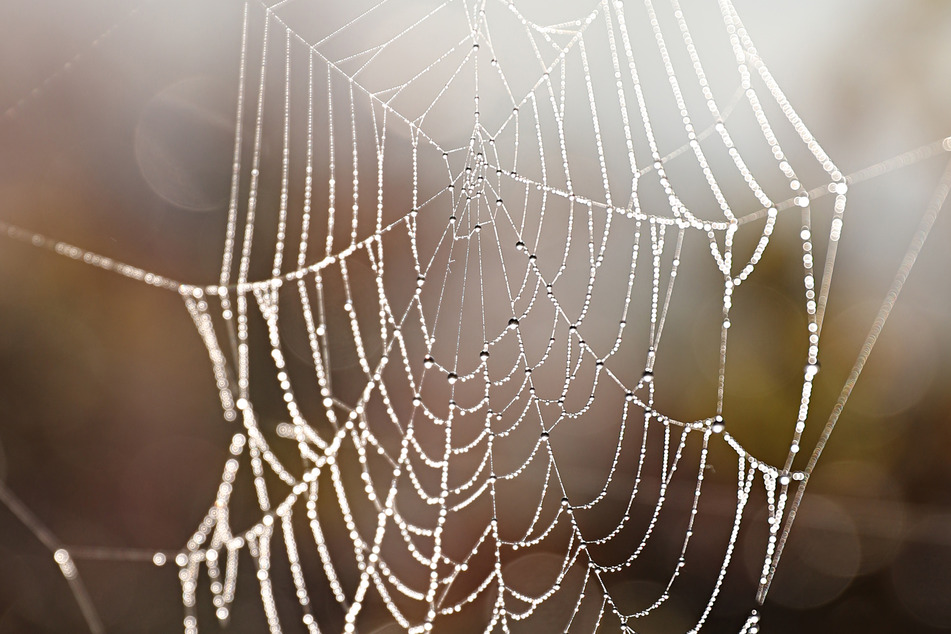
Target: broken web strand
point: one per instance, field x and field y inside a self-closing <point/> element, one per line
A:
<point x="62" y="556"/>
<point x="261" y="551"/>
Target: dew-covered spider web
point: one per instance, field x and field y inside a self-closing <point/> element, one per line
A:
<point x="461" y="238"/>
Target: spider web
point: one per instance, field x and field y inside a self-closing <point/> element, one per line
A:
<point x="460" y="233"/>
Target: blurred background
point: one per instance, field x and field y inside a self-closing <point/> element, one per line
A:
<point x="116" y="133"/>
